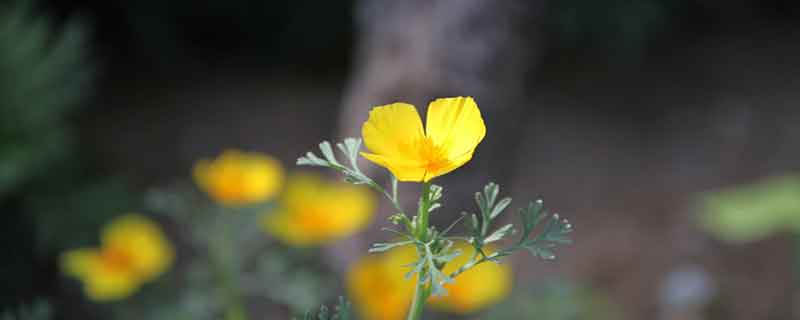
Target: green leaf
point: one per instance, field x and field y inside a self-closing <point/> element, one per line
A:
<point x="500" y="233"/>
<point x="752" y="212"/>
<point x="435" y="193"/>
<point x="327" y="152"/>
<point x="381" y="247"/>
<point x="499" y="208"/>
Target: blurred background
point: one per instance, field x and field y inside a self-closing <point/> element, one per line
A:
<point x="620" y="114"/>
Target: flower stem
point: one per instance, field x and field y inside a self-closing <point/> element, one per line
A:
<point x="422" y="213"/>
<point x="227" y="268"/>
<point x="421" y="291"/>
<point x="421" y="294"/>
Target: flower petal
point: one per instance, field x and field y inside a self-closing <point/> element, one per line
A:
<point x="78" y="262"/>
<point x="393" y="130"/>
<point x="103" y="284"/>
<point x="407" y="170"/>
<point x="452" y="164"/>
<point x="141" y="238"/>
<point x="313" y="211"/>
<point x="456" y="125"/>
<point x="484" y="285"/>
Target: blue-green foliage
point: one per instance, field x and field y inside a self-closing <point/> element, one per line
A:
<point x="39" y="310"/>
<point x="44" y="75"/>
<point x="557" y="300"/>
<point x="342" y="311"/>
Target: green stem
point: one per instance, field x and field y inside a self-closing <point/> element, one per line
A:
<point x="421" y="294"/>
<point x="423" y="214"/>
<point x="227" y="274"/>
<point x="421" y="291"/>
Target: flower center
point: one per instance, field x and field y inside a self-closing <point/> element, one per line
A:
<point x="230" y="184"/>
<point x="433" y="155"/>
<point x="117" y="259"/>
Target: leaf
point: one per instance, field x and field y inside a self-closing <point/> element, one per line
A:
<point x="490" y="191"/>
<point x="531" y="216"/>
<point x="544" y="253"/>
<point x="474" y="225"/>
<point x="382" y="247"/>
<point x="310" y="159"/>
<point x="327" y="151"/>
<point x="500" y="233"/>
<point x="752" y="212"/>
<point x="499" y="208"/>
<point x="350" y="148"/>
<point x="447" y="257"/>
<point x="435" y="193"/>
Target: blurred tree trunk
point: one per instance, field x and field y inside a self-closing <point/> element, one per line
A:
<point x="419" y="50"/>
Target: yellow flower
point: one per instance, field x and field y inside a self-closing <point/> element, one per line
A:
<point x="394" y="135"/>
<point x="133" y="251"/>
<point x="378" y="287"/>
<point x="238" y="178"/>
<point x="485" y="284"/>
<point x="312" y="211"/>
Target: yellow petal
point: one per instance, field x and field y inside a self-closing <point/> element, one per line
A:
<point x="101" y="281"/>
<point x="142" y="241"/>
<point x="377" y="284"/>
<point x="78" y="262"/>
<point x="313" y="211"/>
<point x="404" y="169"/>
<point x="104" y="284"/>
<point x="392" y="130"/>
<point x="237" y="178"/>
<point x="447" y="167"/>
<point x="455" y="125"/>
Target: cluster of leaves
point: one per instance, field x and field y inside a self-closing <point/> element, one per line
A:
<point x="353" y="174"/>
<point x="436" y="248"/>
<point x="351" y="148"/>
<point x="38" y="310"/>
<point x="554" y="232"/>
<point x="342" y="311"/>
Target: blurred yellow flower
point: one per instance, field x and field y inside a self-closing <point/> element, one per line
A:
<point x="237" y="178"/>
<point x="313" y="211"/>
<point x="481" y="286"/>
<point x="133" y="251"/>
<point x="398" y="142"/>
<point x="378" y="287"/>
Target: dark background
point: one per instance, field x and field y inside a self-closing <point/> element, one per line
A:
<point x="617" y="112"/>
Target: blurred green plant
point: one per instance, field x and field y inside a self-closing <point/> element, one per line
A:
<point x="38" y="310"/>
<point x="46" y="75"/>
<point x="48" y="194"/>
<point x="342" y="311"/>
<point x="230" y="261"/>
<point x="752" y="212"/>
<point x="557" y="300"/>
